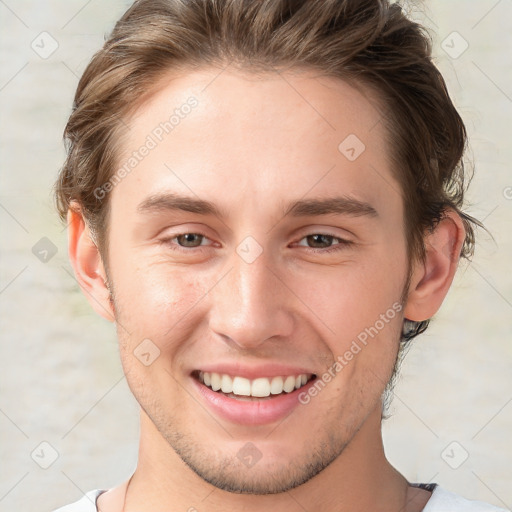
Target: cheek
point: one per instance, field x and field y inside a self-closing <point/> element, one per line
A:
<point x="363" y="309"/>
<point x="353" y="298"/>
<point x="156" y="301"/>
<point x="158" y="314"/>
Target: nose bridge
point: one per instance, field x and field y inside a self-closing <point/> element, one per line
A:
<point x="249" y="305"/>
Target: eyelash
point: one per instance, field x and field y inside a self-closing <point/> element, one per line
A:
<point x="342" y="243"/>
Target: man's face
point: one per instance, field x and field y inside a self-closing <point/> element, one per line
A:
<point x="257" y="292"/>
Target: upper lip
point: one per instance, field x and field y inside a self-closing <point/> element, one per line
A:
<point x="268" y="370"/>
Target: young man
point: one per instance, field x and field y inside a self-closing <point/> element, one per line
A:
<point x="265" y="198"/>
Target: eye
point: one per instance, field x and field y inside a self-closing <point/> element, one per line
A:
<point x="184" y="241"/>
<point x="324" y="239"/>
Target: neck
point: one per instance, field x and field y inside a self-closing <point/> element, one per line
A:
<point x="361" y="478"/>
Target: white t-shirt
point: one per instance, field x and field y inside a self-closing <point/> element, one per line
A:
<point x="440" y="501"/>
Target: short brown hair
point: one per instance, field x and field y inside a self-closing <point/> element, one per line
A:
<point x="368" y="43"/>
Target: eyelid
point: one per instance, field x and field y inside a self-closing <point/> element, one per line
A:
<point x="324" y="233"/>
<point x="342" y="244"/>
<point x="168" y="239"/>
<point x="319" y="229"/>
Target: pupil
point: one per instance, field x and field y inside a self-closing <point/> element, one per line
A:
<point x="320" y="237"/>
<point x="188" y="238"/>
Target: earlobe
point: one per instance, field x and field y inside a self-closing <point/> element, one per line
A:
<point x="432" y="279"/>
<point x="86" y="261"/>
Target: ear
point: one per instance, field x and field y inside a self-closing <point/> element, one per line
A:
<point x="86" y="262"/>
<point x="431" y="280"/>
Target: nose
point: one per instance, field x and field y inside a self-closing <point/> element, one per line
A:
<point x="251" y="304"/>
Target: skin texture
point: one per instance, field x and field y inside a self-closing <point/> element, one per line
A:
<point x="252" y="145"/>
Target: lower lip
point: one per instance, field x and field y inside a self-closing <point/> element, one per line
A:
<point x="251" y="412"/>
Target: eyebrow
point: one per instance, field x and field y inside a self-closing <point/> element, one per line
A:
<point x="341" y="205"/>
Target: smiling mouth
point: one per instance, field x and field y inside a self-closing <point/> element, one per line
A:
<point x="261" y="388"/>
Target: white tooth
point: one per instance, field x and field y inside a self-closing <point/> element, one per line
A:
<point x="241" y="386"/>
<point x="216" y="381"/>
<point x="276" y="386"/>
<point x="260" y="387"/>
<point x="289" y="384"/>
<point x="226" y="384"/>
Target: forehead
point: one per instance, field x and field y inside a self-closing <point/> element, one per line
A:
<point x="292" y="133"/>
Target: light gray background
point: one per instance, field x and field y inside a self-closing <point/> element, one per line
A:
<point x="61" y="379"/>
